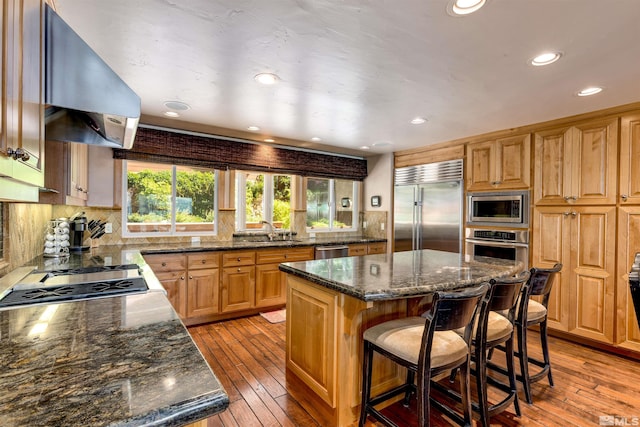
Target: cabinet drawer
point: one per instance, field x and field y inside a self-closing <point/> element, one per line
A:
<point x="203" y="260"/>
<point x="272" y="256"/>
<point x="357" y="250"/>
<point x="376" y="248"/>
<point x="232" y="259"/>
<point x="165" y="262"/>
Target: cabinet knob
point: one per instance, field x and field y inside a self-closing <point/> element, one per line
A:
<point x="164" y="264"/>
<point x="624" y="197"/>
<point x="285" y="256"/>
<point x="238" y="259"/>
<point x="18" y="153"/>
<point x="204" y="261"/>
<point x="181" y="277"/>
<point x="239" y="270"/>
<point x="190" y="277"/>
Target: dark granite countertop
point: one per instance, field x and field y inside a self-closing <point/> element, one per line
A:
<point x="401" y="274"/>
<point x="109" y="361"/>
<point x="239" y="244"/>
<point x="124" y="360"/>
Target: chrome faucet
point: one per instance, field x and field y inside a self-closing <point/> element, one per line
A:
<point x="272" y="233"/>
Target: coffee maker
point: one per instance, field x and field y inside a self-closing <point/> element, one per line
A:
<point x="77" y="227"/>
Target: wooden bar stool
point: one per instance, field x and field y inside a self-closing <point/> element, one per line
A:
<point x="494" y="326"/>
<point x="426" y="346"/>
<point x="530" y="313"/>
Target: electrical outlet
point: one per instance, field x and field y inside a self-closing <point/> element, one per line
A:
<point x="108" y="228"/>
<point x="364" y="224"/>
<point x="195" y="239"/>
<point x="382" y="226"/>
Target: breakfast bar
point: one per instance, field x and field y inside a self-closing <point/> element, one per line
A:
<point x="330" y="303"/>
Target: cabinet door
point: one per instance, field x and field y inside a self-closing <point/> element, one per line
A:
<point x="552" y="170"/>
<point x="550" y="244"/>
<point x="593" y="273"/>
<point x="237" y="288"/>
<point x="513" y="162"/>
<point x="481" y="166"/>
<point x="594" y="163"/>
<point x="627" y="331"/>
<point x="24" y="126"/>
<point x="176" y="286"/>
<point x="629" y="155"/>
<point x="270" y="286"/>
<point x="78" y="176"/>
<point x="162" y="263"/>
<point x="202" y="292"/>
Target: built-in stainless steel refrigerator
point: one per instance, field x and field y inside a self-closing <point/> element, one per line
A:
<point x="428" y="207"/>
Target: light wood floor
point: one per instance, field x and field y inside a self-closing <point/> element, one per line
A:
<point x="248" y="357"/>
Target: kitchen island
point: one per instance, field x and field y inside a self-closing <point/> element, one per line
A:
<point x="120" y="360"/>
<point x="330" y="303"/>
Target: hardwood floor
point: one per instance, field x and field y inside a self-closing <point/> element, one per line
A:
<point x="248" y="356"/>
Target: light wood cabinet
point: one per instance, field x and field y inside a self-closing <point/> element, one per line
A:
<point x="271" y="288"/>
<point x="583" y="239"/>
<point x="357" y="250"/>
<point x="191" y="281"/>
<point x="577" y="164"/>
<point x="503" y="164"/>
<point x="22" y="128"/>
<point x="376" y="248"/>
<point x="627" y="331"/>
<point x="238" y="283"/>
<point x="67" y="177"/>
<point x="629" y="159"/>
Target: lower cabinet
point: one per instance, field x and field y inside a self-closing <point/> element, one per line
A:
<point x="191" y="282"/>
<point x="627" y="331"/>
<point x="237" y="288"/>
<point x="367" y="249"/>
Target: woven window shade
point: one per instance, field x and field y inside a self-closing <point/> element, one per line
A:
<point x="161" y="146"/>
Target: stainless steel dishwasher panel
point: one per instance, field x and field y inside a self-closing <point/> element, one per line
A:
<point x="326" y="252"/>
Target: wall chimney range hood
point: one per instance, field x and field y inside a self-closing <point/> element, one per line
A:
<point x="85" y="100"/>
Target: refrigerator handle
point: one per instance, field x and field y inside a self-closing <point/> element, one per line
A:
<point x="417" y="223"/>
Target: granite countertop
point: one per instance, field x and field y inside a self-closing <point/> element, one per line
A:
<point x="248" y="244"/>
<point x="401" y="274"/>
<point x="110" y="361"/>
<point x="124" y="360"/>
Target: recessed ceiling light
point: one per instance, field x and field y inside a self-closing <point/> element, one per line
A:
<point x="464" y="7"/>
<point x="590" y="91"/>
<point x="365" y="147"/>
<point x="171" y="114"/>
<point x="266" y="78"/>
<point x="380" y="144"/>
<point x="269" y="140"/>
<point x="316" y="139"/>
<point x="177" y="105"/>
<point x="418" y="120"/>
<point x="253" y="128"/>
<point x="545" y="58"/>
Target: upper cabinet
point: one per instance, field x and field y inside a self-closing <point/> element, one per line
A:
<point x="66" y="176"/>
<point x="499" y="164"/>
<point x="576" y="164"/>
<point x="22" y="123"/>
<point x="629" y="155"/>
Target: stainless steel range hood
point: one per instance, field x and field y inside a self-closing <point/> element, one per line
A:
<point x="85" y="100"/>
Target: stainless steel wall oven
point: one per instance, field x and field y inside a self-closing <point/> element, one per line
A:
<point x="505" y="244"/>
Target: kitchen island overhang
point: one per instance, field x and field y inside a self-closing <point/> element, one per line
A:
<point x="330" y="303"/>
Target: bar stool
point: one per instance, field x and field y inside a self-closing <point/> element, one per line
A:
<point x="530" y="313"/>
<point x="494" y="326"/>
<point x="426" y="346"/>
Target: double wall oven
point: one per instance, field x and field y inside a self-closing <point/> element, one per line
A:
<point x="497" y="225"/>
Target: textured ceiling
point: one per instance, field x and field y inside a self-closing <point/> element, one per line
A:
<point x="355" y="72"/>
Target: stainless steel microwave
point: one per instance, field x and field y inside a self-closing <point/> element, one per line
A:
<point x="505" y="208"/>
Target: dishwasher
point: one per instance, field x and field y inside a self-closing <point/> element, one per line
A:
<point x="326" y="252"/>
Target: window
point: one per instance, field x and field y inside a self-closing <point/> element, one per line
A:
<point x="168" y="200"/>
<point x="265" y="197"/>
<point x="332" y="204"/>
